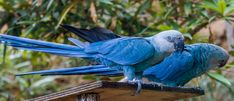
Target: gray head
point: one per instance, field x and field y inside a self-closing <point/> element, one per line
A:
<point x="218" y="56"/>
<point x="170" y="38"/>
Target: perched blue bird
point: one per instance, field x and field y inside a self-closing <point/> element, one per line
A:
<point x="175" y="70"/>
<point x="179" y="68"/>
<point x="130" y="54"/>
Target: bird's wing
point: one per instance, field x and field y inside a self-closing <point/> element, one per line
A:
<point x="92" y="35"/>
<point x="124" y="51"/>
<point x="172" y="67"/>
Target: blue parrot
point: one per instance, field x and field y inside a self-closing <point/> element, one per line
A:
<point x="129" y="54"/>
<point x="179" y="68"/>
<point x="175" y="70"/>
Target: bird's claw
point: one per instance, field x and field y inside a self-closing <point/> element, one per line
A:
<point x="139" y="86"/>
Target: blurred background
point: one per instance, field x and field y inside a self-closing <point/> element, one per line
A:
<point x="199" y="20"/>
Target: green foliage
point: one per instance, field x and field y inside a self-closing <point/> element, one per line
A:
<point x="220" y="78"/>
<point x="40" y="19"/>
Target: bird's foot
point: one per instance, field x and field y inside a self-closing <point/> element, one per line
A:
<point x="139" y="86"/>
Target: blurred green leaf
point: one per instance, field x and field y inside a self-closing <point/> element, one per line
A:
<point x="64" y="13"/>
<point x="231" y="52"/>
<point x="4" y="54"/>
<point x="229" y="10"/>
<point x="165" y="27"/>
<point x="143" y="7"/>
<point x="188" y="36"/>
<point x="221" y="6"/>
<point x="49" y="4"/>
<point x="42" y="82"/>
<point x="188" y="8"/>
<point x="210" y="5"/>
<point x="25" y="22"/>
<point x="89" y="77"/>
<point x="219" y="78"/>
<point x="106" y="1"/>
<point x="22" y="64"/>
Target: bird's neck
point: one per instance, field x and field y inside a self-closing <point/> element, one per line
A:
<point x="162" y="45"/>
<point x="202" y="57"/>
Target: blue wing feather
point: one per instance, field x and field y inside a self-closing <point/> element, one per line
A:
<point x="124" y="51"/>
<point x="172" y="67"/>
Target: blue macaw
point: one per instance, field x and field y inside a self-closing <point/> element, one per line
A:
<point x="129" y="54"/>
<point x="175" y="70"/>
<point x="179" y="68"/>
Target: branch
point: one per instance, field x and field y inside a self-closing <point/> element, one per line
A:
<point x="198" y="28"/>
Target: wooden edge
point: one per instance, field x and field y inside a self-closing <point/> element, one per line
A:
<point x="70" y="91"/>
<point x="116" y="85"/>
<point x="153" y="86"/>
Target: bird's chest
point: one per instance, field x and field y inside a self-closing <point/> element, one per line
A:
<point x="189" y="75"/>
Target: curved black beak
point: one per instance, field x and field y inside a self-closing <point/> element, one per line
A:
<point x="222" y="63"/>
<point x="179" y="44"/>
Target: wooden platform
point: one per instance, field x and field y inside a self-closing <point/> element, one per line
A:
<point x="118" y="91"/>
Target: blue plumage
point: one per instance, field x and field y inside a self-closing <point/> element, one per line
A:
<point x="74" y="70"/>
<point x="123" y="51"/>
<point x="129" y="54"/>
<point x="195" y="60"/>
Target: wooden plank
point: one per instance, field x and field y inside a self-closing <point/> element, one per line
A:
<point x="74" y="91"/>
<point x="118" y="91"/>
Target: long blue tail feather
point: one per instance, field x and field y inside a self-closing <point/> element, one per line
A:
<point x="111" y="73"/>
<point x="65" y="69"/>
<point x="42" y="46"/>
<point x="97" y="70"/>
<point x="83" y="72"/>
<point x="14" y="39"/>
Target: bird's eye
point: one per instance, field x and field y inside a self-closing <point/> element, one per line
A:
<point x="169" y="38"/>
<point x="222" y="61"/>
